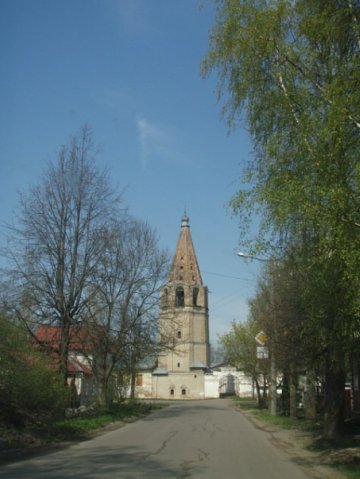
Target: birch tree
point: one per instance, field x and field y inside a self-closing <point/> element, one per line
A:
<point x="289" y="70"/>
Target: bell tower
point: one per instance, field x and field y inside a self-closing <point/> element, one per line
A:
<point x="184" y="316"/>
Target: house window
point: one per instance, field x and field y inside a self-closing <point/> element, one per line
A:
<point x="172" y="392"/>
<point x="139" y="380"/>
<point x="179" y="298"/>
<point x="178" y="365"/>
<point x="183" y="392"/>
<point x="179" y="334"/>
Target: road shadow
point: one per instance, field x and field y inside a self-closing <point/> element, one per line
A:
<point x="99" y="463"/>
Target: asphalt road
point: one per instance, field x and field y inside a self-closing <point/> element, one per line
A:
<point x="195" y="439"/>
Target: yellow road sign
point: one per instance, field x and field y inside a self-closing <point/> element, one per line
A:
<point x="261" y="338"/>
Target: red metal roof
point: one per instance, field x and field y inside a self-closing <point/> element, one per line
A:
<point x="80" y="338"/>
<point x="80" y="341"/>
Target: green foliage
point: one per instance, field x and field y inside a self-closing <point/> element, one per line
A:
<point x="239" y="350"/>
<point x="239" y="346"/>
<point x="30" y="392"/>
<point x="287" y="66"/>
<point x="293" y="69"/>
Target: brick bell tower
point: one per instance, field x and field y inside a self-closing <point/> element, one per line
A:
<point x="184" y="316"/>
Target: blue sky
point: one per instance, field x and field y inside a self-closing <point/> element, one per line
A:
<point x="131" y="70"/>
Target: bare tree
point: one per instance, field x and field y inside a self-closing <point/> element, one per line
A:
<point x="58" y="244"/>
<point x="125" y="307"/>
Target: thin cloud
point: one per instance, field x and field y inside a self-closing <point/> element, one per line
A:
<point x="133" y="16"/>
<point x="156" y="142"/>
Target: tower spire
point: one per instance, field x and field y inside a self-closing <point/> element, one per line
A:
<point x="185" y="268"/>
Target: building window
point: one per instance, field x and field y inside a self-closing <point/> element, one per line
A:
<point x="172" y="392"/>
<point x="178" y="365"/>
<point x="195" y="296"/>
<point x="179" y="334"/>
<point x="179" y="298"/>
<point x="183" y="392"/>
<point x="139" y="380"/>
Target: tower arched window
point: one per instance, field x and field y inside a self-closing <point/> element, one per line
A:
<point x="179" y="297"/>
<point x="164" y="298"/>
<point x="195" y="296"/>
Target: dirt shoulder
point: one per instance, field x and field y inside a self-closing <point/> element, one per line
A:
<point x="296" y="443"/>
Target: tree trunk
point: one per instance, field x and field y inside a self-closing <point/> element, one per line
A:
<point x="334" y="402"/>
<point x="132" y="384"/>
<point x="103" y="391"/>
<point x="258" y="393"/>
<point x="293" y="396"/>
<point x="64" y="349"/>
<point x="262" y="398"/>
<point x="285" y="395"/>
<point x="310" y="398"/>
<point x="102" y="394"/>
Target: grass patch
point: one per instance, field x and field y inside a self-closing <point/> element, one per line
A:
<point x="84" y="424"/>
<point x="284" y="422"/>
<point x="102" y="418"/>
<point x="351" y="472"/>
<point x="75" y="428"/>
<point x="246" y="404"/>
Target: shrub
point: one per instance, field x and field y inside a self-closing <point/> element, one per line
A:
<point x="30" y="391"/>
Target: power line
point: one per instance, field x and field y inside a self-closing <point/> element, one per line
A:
<point x="228" y="276"/>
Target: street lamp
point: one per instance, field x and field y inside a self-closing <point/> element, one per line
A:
<point x="250" y="256"/>
<point x="273" y="375"/>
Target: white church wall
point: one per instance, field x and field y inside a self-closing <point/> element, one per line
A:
<point x="211" y="386"/>
<point x="229" y="381"/>
<point x="245" y="385"/>
<point x="226" y="381"/>
<point x="179" y="386"/>
<point x="143" y="388"/>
